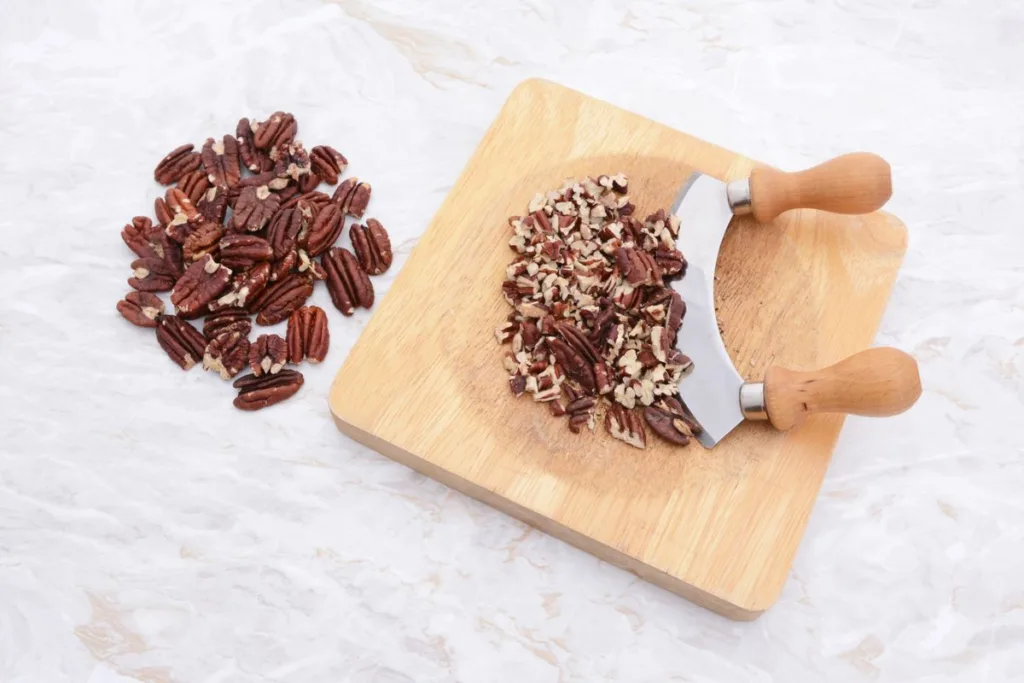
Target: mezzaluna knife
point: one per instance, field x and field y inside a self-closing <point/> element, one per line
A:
<point x="877" y="382"/>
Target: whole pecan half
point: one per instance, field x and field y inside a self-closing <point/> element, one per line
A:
<point x="203" y="241"/>
<point x="308" y="336"/>
<point x="574" y="364"/>
<point x="625" y="425"/>
<point x="278" y="130"/>
<point x="352" y="197"/>
<point x="578" y="340"/>
<point x="202" y="283"/>
<point x="178" y="163"/>
<point x="347" y="282"/>
<point x="314" y="201"/>
<point x="670" y="261"/>
<point x="255" y="160"/>
<point x="283" y="231"/>
<point x="245" y="287"/>
<point x="227" y="354"/>
<point x="194" y="185"/>
<point x="213" y="205"/>
<point x="141" y="308"/>
<point x="255" y="392"/>
<point x="254" y="208"/>
<point x="267" y="355"/>
<point x="227" y="320"/>
<point x="150" y="241"/>
<point x="372" y="246"/>
<point x="180" y="340"/>
<point x="220" y="161"/>
<point x="308" y="183"/>
<point x="328" y="163"/>
<point x="638" y="267"/>
<point x="152" y="275"/>
<point x="282" y="299"/>
<point x="239" y="252"/>
<point x="672" y="428"/>
<point x="325" y="230"/>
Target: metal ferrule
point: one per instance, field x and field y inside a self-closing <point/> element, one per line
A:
<point x="752" y="401"/>
<point x="738" y="193"/>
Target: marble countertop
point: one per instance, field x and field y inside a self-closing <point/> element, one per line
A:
<point x="151" y="532"/>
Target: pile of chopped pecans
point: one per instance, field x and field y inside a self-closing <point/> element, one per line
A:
<point x="243" y="232"/>
<point x="594" y="323"/>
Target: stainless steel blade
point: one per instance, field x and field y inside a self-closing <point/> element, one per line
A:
<point x="711" y="391"/>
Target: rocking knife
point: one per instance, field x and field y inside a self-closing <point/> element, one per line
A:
<point x="878" y="381"/>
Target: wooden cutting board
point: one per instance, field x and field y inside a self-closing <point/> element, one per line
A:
<point x="425" y="385"/>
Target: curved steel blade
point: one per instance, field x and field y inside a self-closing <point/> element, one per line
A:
<point x="711" y="392"/>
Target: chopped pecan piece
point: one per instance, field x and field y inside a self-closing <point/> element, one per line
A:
<point x="278" y="130"/>
<point x="372" y="246"/>
<point x="180" y="340"/>
<point x="141" y="308"/>
<point x="352" y="197"/>
<point x="282" y="299"/>
<point x="255" y="392"/>
<point x="267" y="355"/>
<point x="152" y="275"/>
<point x="202" y="283"/>
<point x="227" y="354"/>
<point x="291" y="161"/>
<point x="227" y="320"/>
<point x="220" y="161"/>
<point x="638" y="267"/>
<point x="254" y="208"/>
<point x="328" y="163"/>
<point x="203" y="241"/>
<point x="239" y="252"/>
<point x="347" y="282"/>
<point x="626" y="426"/>
<point x="244" y="287"/>
<point x="178" y="163"/>
<point x="194" y="185"/>
<point x="325" y="230"/>
<point x="307" y="264"/>
<point x="307" y="335"/>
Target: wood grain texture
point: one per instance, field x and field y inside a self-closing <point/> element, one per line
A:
<point x="425" y="384"/>
<point x="877" y="382"/>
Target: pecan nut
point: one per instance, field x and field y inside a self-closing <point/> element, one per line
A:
<point x="227" y="320"/>
<point x="180" y="162"/>
<point x="306" y="264"/>
<point x="277" y="131"/>
<point x="254" y="208"/>
<point x="244" y="287"/>
<point x="283" y="231"/>
<point x="574" y="364"/>
<point x="255" y="393"/>
<point x="372" y="246"/>
<point x="325" y="230"/>
<point x="672" y="428"/>
<point x="141" y="308"/>
<point x="227" y="354"/>
<point x="281" y="269"/>
<point x="213" y="205"/>
<point x="278" y="302"/>
<point x="194" y="185"/>
<point x="267" y="355"/>
<point x="175" y="212"/>
<point x="180" y="340"/>
<point x="220" y="161"/>
<point x="152" y="275"/>
<point x="581" y="413"/>
<point x="638" y="267"/>
<point x="203" y="241"/>
<point x="347" y="282"/>
<point x="352" y="197"/>
<point x="202" y="283"/>
<point x="308" y="336"/>
<point x="254" y="159"/>
<point x="625" y="425"/>
<point x="308" y="183"/>
<point x="239" y="252"/>
<point x="291" y="160"/>
<point x="328" y="163"/>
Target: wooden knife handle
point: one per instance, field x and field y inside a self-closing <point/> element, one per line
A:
<point x="852" y="183"/>
<point x="877" y="382"/>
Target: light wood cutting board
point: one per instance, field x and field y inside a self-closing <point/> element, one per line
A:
<point x="425" y="383"/>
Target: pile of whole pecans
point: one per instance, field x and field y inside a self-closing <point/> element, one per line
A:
<point x="594" y="323"/>
<point x="243" y="232"/>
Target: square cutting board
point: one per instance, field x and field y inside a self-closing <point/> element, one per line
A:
<point x="425" y="385"/>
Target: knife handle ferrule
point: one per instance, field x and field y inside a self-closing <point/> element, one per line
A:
<point x="752" y="402"/>
<point x="738" y="193"/>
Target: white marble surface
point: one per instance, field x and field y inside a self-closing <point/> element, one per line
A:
<point x="148" y="531"/>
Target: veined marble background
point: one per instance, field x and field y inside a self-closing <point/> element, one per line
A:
<point x="151" y="532"/>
